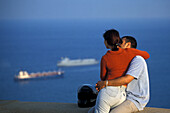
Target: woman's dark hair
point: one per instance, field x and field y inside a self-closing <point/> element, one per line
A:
<point x="112" y="37"/>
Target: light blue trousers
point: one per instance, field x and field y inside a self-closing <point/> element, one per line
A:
<point x="109" y="97"/>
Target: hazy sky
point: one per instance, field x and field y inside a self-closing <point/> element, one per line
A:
<point x="84" y="9"/>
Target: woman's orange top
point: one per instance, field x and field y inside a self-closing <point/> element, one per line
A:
<point x="115" y="63"/>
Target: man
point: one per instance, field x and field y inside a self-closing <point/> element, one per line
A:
<point x="137" y="79"/>
<point x="128" y="42"/>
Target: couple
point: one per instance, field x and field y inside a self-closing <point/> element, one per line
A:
<point x="124" y="85"/>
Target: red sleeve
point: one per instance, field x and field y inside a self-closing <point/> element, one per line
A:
<point x="103" y="69"/>
<point x="144" y="54"/>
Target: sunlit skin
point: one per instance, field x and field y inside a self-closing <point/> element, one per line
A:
<point x="124" y="44"/>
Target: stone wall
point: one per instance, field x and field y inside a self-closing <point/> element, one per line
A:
<point x="14" y="106"/>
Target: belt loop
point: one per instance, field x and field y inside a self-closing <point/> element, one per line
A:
<point x="106" y="83"/>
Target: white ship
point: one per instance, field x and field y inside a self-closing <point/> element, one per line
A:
<point x="78" y="62"/>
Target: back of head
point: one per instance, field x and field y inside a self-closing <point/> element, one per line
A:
<point x="132" y="40"/>
<point x="112" y="37"/>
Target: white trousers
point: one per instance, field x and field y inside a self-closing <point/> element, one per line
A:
<point x="109" y="97"/>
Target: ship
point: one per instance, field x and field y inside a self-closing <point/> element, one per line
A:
<point x="24" y="75"/>
<point x="77" y="62"/>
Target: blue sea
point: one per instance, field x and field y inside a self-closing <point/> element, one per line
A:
<point x="37" y="46"/>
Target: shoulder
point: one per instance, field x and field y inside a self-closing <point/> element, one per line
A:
<point x="138" y="60"/>
<point x="130" y="49"/>
<point x="104" y="58"/>
<point x="106" y="55"/>
<point x="138" y="67"/>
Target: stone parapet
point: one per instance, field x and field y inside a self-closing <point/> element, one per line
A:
<point x="14" y="106"/>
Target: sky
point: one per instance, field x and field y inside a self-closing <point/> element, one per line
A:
<point x="84" y="9"/>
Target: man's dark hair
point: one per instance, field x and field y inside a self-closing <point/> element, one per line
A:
<point x="130" y="39"/>
<point x="112" y="37"/>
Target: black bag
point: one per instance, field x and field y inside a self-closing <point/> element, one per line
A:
<point x="87" y="95"/>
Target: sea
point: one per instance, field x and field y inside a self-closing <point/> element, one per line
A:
<point x="37" y="46"/>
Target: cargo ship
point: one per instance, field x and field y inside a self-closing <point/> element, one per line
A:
<point x="77" y="62"/>
<point x="24" y="75"/>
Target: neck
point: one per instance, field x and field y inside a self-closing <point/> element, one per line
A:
<point x="114" y="48"/>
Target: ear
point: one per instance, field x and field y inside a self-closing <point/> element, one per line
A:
<point x="128" y="45"/>
<point x="105" y="42"/>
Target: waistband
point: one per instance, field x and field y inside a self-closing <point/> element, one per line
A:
<point x="124" y="86"/>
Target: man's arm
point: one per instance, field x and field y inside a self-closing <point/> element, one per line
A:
<point x="115" y="82"/>
<point x="136" y="66"/>
<point x="144" y="54"/>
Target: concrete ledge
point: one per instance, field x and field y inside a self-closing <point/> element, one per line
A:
<point x="14" y="106"/>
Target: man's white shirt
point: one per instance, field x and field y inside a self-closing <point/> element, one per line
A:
<point x="138" y="89"/>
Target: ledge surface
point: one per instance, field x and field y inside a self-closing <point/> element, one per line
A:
<point x="14" y="106"/>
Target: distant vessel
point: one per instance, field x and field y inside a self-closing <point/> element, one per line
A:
<point x="24" y="75"/>
<point x="78" y="62"/>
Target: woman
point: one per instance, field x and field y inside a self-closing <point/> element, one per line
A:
<point x="113" y="65"/>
